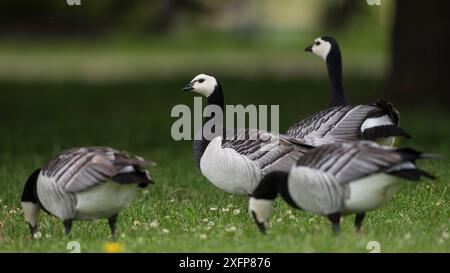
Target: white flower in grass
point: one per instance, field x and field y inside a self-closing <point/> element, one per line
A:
<point x="225" y="209"/>
<point x="48" y="235"/>
<point x="407" y="236"/>
<point x="289" y="212"/>
<point x="165" y="231"/>
<point x="236" y="211"/>
<point x="230" y="229"/>
<point x="210" y="224"/>
<point x="205" y="220"/>
<point x="137" y="223"/>
<point x="279" y="220"/>
<point x="146" y="192"/>
<point x="310" y="220"/>
<point x="203" y="236"/>
<point x="444" y="235"/>
<point x="292" y="217"/>
<point x="37" y="235"/>
<point x="167" y="217"/>
<point x="213" y="209"/>
<point x="207" y="228"/>
<point x="5" y="206"/>
<point x="172" y="200"/>
<point x="154" y="224"/>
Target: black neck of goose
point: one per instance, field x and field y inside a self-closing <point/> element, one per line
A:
<point x="282" y="188"/>
<point x="216" y="98"/>
<point x="273" y="184"/>
<point x="334" y="65"/>
<point x="29" y="193"/>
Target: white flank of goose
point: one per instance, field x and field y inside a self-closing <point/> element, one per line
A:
<point x="236" y="164"/>
<point x="341" y="122"/>
<point x="339" y="179"/>
<point x="84" y="184"/>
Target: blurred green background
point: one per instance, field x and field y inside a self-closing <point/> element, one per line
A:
<point x="109" y="72"/>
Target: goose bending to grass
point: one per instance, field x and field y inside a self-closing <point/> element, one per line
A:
<point x="84" y="184"/>
<point x="342" y="122"/>
<point x="235" y="160"/>
<point x="339" y="179"/>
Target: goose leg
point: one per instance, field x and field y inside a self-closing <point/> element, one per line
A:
<point x="358" y="221"/>
<point x="335" y="219"/>
<point x="68" y="226"/>
<point x="112" y="224"/>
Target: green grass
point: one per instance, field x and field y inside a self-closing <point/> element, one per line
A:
<point x="39" y="119"/>
<point x="114" y="59"/>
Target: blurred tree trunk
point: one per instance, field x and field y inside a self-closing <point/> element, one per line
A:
<point x="420" y="53"/>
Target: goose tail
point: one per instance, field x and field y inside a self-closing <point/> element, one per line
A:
<point x="412" y="155"/>
<point x="384" y="131"/>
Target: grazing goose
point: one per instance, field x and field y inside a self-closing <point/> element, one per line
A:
<point x="84" y="184"/>
<point x="339" y="179"/>
<point x="342" y="122"/>
<point x="237" y="162"/>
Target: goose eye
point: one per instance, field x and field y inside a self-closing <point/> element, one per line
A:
<point x="317" y="43"/>
<point x="201" y="80"/>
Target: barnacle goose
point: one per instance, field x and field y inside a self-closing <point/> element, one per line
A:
<point x="84" y="184"/>
<point x="342" y="122"/>
<point x="339" y="179"/>
<point x="235" y="160"/>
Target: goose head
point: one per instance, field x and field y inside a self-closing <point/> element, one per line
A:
<point x="260" y="209"/>
<point x="322" y="47"/>
<point x="30" y="203"/>
<point x="261" y="200"/>
<point x="202" y="84"/>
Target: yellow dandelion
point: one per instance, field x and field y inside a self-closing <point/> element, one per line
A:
<point x="113" y="248"/>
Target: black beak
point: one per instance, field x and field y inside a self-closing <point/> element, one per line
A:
<point x="309" y="48"/>
<point x="189" y="87"/>
<point x="33" y="230"/>
<point x="261" y="226"/>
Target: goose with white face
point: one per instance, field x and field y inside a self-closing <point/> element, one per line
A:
<point x="202" y="84"/>
<point x="260" y="209"/>
<point x="320" y="47"/>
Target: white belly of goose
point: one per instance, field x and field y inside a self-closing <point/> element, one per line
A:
<point x="229" y="170"/>
<point x="370" y="193"/>
<point x="379" y="121"/>
<point x="104" y="200"/>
